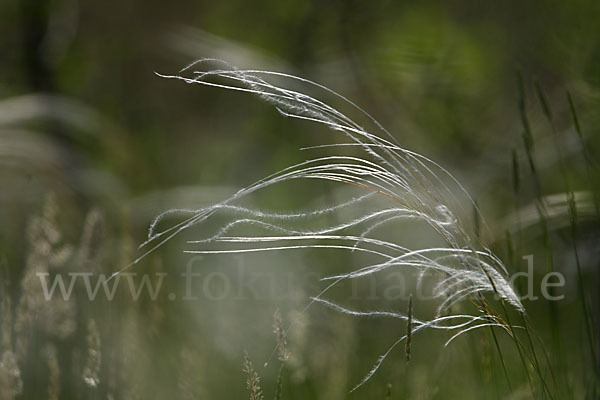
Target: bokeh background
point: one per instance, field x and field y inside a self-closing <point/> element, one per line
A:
<point x="93" y="145"/>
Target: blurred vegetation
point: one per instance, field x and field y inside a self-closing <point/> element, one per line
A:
<point x="93" y="145"/>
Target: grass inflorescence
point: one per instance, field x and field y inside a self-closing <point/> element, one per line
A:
<point x="393" y="184"/>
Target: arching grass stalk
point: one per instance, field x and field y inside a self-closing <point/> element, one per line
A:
<point x="392" y="185"/>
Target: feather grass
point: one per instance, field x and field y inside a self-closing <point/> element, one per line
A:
<point x="410" y="187"/>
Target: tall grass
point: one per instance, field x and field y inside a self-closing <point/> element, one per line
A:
<point x="563" y="205"/>
<point x="390" y="185"/>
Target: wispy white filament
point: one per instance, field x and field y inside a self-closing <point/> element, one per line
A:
<point x="398" y="183"/>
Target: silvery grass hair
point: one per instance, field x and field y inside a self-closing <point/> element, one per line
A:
<point x="407" y="185"/>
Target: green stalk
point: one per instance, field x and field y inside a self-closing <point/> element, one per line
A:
<point x="589" y="163"/>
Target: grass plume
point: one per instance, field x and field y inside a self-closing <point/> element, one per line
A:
<point x="252" y="379"/>
<point x="394" y="184"/>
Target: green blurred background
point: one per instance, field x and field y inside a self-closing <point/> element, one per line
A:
<point x="86" y="124"/>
